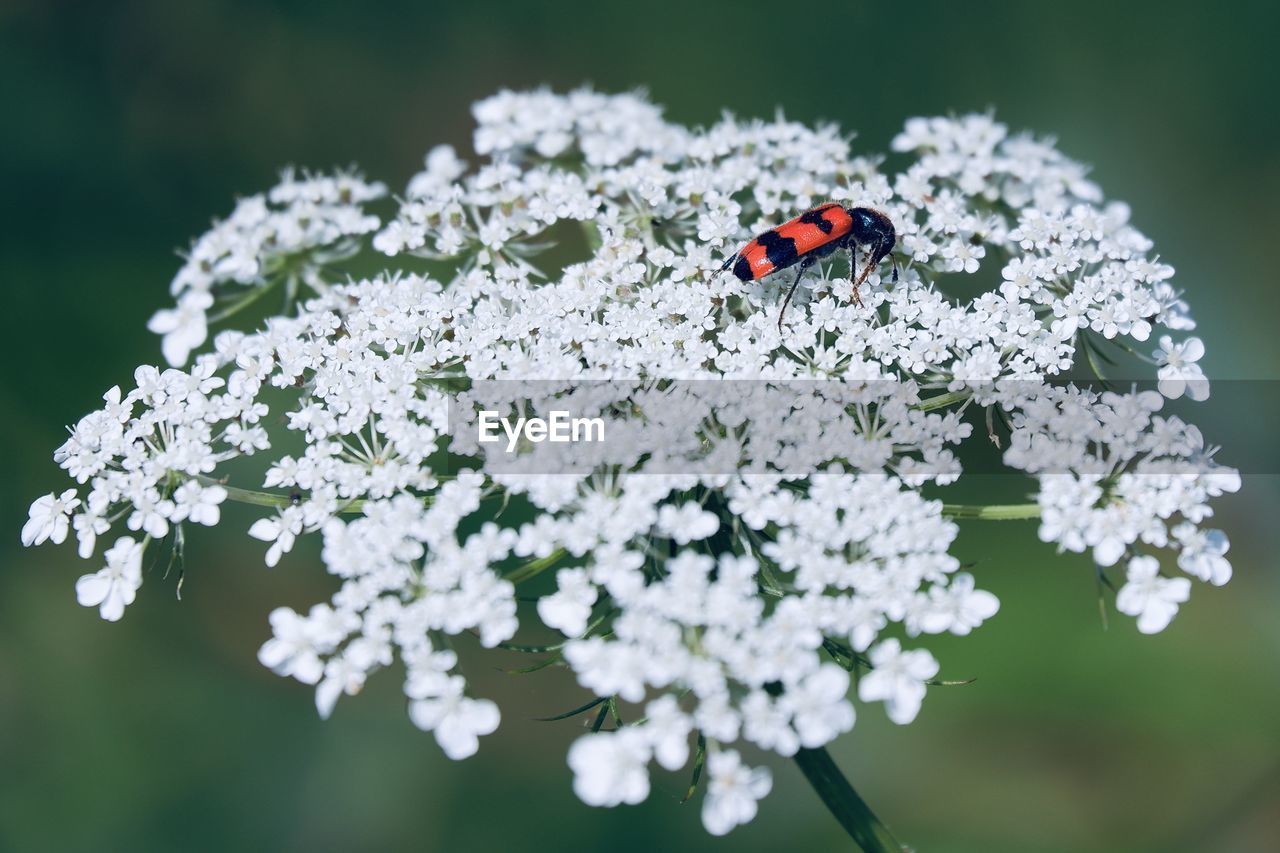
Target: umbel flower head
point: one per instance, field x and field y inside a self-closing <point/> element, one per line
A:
<point x="714" y="579"/>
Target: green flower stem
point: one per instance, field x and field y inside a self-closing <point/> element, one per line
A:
<point x="253" y="498"/>
<point x="943" y="400"/>
<point x="992" y="512"/>
<point x="843" y="801"/>
<point x="535" y="567"/>
<point x="234" y="308"/>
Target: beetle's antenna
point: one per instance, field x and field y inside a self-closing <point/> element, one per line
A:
<point x="728" y="263"/>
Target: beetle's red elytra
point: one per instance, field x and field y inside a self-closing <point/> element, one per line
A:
<point x="813" y="235"/>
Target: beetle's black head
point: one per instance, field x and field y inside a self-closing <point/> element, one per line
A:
<point x="874" y="230"/>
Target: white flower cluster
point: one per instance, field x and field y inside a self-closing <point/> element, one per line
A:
<point x="146" y="468"/>
<point x="1115" y="476"/>
<point x="290" y="232"/>
<point x="721" y="574"/>
<point x="854" y="554"/>
<point x="406" y="578"/>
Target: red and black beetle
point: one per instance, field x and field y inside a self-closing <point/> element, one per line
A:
<point x="814" y="235"/>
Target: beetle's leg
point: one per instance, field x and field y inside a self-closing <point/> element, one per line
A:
<point x="804" y="265"/>
<point x="853" y="271"/>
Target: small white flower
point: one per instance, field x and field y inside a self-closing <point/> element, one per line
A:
<point x="1203" y="553"/>
<point x="733" y="791"/>
<point x="292" y="651"/>
<point x="958" y="607"/>
<point x="198" y="503"/>
<point x="963" y="256"/>
<point x="47" y="519"/>
<point x="668" y="729"/>
<point x="898" y="679"/>
<point x="281" y="531"/>
<point x="184" y="327"/>
<point x="115" y="586"/>
<point x="609" y="768"/>
<point x="819" y="707"/>
<point x="1153" y="599"/>
<point x="1178" y="372"/>
<point x="89" y="525"/>
<point x="457" y="720"/>
<point x="687" y="523"/>
<point x="569" y="607"/>
<point x="341" y="675"/>
<point x="151" y="514"/>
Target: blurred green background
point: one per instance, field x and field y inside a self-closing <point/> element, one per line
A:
<point x="127" y="126"/>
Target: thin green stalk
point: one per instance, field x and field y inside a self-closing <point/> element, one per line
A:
<point x="535" y="567"/>
<point x="992" y="512"/>
<point x="256" y="293"/>
<point x="941" y="401"/>
<point x="844" y="803"/>
<point x="581" y="709"/>
<point x="276" y="501"/>
<point x="699" y="759"/>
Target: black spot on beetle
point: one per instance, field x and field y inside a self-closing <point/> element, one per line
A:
<point x="816" y="217"/>
<point x="781" y="250"/>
